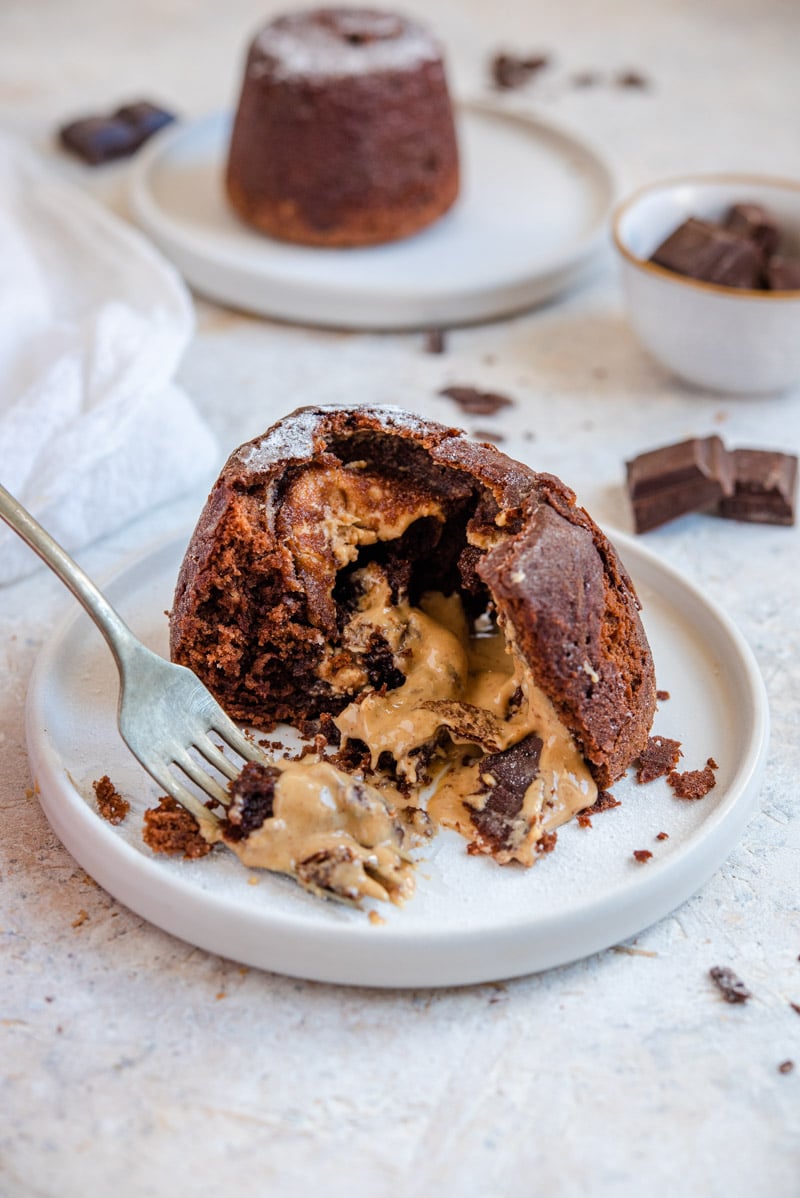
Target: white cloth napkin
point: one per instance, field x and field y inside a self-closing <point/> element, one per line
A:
<point x="93" y="324"/>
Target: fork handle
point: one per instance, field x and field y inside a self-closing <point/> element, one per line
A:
<point x="110" y="623"/>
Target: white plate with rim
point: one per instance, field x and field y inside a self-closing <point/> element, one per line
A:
<point x="470" y="920"/>
<point x="533" y="213"/>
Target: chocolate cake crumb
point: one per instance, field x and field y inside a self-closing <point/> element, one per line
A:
<point x="475" y="402"/>
<point x="732" y="987"/>
<point x="510" y="71"/>
<point x="786" y="1067"/>
<point x="487" y="434"/>
<point x="795" y="1007"/>
<point x="604" y="802"/>
<point x="659" y="758"/>
<point x="435" y="341"/>
<point x="110" y="803"/>
<point x="584" y="820"/>
<point x="662" y="836"/>
<point x="642" y="855"/>
<point x="586" y="79"/>
<point x="662" y="696"/>
<point x="632" y="79"/>
<point x="693" y="784"/>
<point x="169" y="828"/>
<point x="547" y="843"/>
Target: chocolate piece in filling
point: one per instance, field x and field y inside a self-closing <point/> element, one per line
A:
<point x="388" y="572"/>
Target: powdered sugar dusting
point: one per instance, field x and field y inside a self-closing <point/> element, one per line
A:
<point x="332" y="43"/>
<point x="300" y="435"/>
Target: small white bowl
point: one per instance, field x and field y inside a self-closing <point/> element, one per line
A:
<point x="722" y="338"/>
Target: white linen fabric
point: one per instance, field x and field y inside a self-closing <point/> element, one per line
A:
<point x="93" y="324"/>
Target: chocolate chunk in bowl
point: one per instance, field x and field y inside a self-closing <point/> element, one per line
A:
<point x="440" y="603"/>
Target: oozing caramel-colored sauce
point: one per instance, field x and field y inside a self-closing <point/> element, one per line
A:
<point x="319" y="810"/>
<point x="445" y="663"/>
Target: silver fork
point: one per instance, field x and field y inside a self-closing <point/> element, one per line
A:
<point x="164" y="710"/>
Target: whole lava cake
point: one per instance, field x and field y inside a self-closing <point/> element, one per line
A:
<point x="344" y="131"/>
<point x="461" y="631"/>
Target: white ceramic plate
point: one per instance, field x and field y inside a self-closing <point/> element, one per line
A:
<point x="471" y="920"/>
<point x="533" y="212"/>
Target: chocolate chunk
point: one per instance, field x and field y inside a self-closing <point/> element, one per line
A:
<point x="477" y="403"/>
<point x="99" y="139"/>
<point x="252" y="797"/>
<point x="434" y="341"/>
<point x="513" y="70"/>
<point x="733" y="988"/>
<point x="512" y="772"/>
<point x="676" y="479"/>
<point x="764" y="487"/>
<point x="701" y="250"/>
<point x="658" y="759"/>
<point x="754" y="222"/>
<point x="782" y="274"/>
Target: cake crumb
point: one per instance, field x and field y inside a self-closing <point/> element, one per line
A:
<point x="795" y="1007"/>
<point x="642" y="855"/>
<point x="732" y="987"/>
<point x="488" y="434"/>
<point x="694" y="784"/>
<point x="786" y="1067"/>
<point x="584" y="820"/>
<point x="510" y="71"/>
<point x="80" y="919"/>
<point x="662" y="836"/>
<point x="658" y="758"/>
<point x="475" y="402"/>
<point x="169" y="828"/>
<point x="376" y="919"/>
<point x="605" y="801"/>
<point x="110" y="803"/>
<point x="632" y="79"/>
<point x="662" y="696"/>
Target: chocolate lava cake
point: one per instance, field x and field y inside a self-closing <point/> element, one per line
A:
<point x="344" y="131"/>
<point x="435" y="603"/>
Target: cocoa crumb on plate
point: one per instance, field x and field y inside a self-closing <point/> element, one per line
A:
<point x="110" y="803"/>
<point x="694" y="784"/>
<point x="786" y="1067"/>
<point x="732" y="988"/>
<point x="660" y="756"/>
<point x="169" y="828"/>
<point x="642" y="855"/>
<point x="475" y="402"/>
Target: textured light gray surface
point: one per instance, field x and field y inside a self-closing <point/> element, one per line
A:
<point x="133" y="1064"/>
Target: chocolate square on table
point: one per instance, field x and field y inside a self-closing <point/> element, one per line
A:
<point x="765" y="487"/>
<point x="677" y="479"/>
<point x="701" y="250"/>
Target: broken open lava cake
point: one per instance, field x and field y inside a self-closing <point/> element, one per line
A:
<point x="463" y="633"/>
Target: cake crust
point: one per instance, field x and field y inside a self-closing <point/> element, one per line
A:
<point x="258" y="605"/>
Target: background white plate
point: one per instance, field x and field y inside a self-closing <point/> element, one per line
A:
<point x="470" y="921"/>
<point x="534" y="210"/>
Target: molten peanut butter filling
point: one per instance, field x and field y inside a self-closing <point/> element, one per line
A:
<point x="337" y="836"/>
<point x="471" y="683"/>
